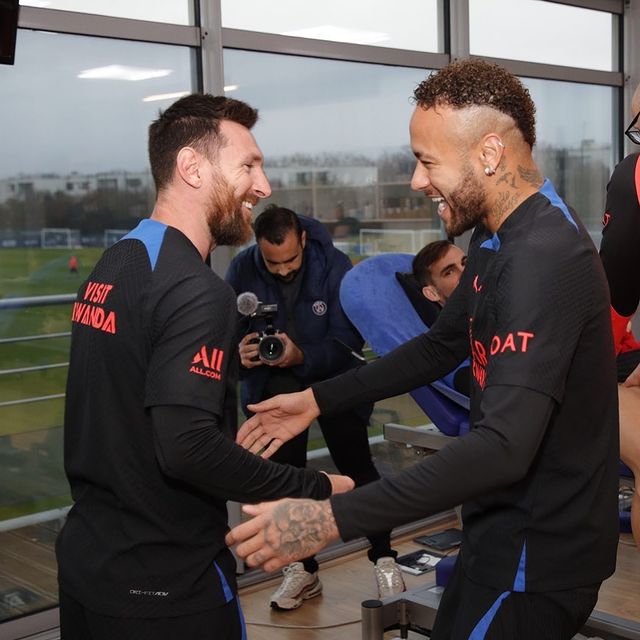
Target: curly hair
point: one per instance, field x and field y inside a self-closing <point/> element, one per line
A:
<point x="472" y="82"/>
<point x="192" y="121"/>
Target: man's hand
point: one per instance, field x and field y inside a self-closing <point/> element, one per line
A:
<point x="248" y="350"/>
<point x="276" y="421"/>
<point x="634" y="378"/>
<point x="339" y="484"/>
<point x="292" y="354"/>
<point x="283" y="531"/>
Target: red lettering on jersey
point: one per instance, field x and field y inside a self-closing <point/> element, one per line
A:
<point x="211" y="363"/>
<point x="207" y="373"/>
<point x="517" y="342"/>
<point x="479" y="352"/>
<point x="605" y="219"/>
<point x="477" y="287"/>
<point x="479" y="373"/>
<point x="89" y="290"/>
<point x="201" y="356"/>
<point x="94" y="317"/>
<point x="110" y="323"/>
<point x="478" y="357"/>
<point x="76" y="312"/>
<point x="525" y="339"/>
<point x="97" y="317"/>
<point x="97" y="292"/>
<point x="508" y="343"/>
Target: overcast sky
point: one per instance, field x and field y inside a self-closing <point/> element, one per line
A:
<point x="54" y="120"/>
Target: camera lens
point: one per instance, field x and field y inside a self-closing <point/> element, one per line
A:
<point x="271" y="348"/>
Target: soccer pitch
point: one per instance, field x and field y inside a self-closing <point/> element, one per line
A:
<point x="31" y="476"/>
<point x="28" y="273"/>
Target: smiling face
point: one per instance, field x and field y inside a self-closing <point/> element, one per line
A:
<point x="237" y="182"/>
<point x="445" y="171"/>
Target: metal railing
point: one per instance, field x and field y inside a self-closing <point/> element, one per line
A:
<point x="25" y="303"/>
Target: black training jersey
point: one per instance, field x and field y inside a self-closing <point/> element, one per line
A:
<point x="538" y="471"/>
<point x="620" y="247"/>
<point x="153" y="328"/>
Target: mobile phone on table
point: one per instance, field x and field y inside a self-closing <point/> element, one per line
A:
<point x="442" y="540"/>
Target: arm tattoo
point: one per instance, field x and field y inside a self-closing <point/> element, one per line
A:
<point x="300" y="527"/>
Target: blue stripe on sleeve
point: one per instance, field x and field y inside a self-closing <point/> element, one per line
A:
<point x="150" y="233"/>
<point x="551" y="194"/>
<point x="493" y="243"/>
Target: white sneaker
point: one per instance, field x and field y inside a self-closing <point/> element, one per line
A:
<point x="298" y="585"/>
<point x="389" y="577"/>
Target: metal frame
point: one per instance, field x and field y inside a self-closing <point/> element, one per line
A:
<point x="209" y="38"/>
<point x="416" y="610"/>
<point x="291" y="45"/>
<point x="610" y="6"/>
<point x="107" y="27"/>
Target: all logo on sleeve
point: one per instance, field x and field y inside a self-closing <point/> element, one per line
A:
<point x="208" y="362"/>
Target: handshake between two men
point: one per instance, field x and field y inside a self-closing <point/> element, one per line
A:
<point x="290" y="529"/>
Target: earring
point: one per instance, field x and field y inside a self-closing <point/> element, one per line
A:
<point x="489" y="171"/>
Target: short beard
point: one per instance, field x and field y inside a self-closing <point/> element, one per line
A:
<point x="290" y="277"/>
<point x="226" y="221"/>
<point x="467" y="203"/>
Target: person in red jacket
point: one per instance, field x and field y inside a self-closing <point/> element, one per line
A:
<point x="619" y="254"/>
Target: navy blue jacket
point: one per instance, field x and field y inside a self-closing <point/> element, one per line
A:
<point x="317" y="314"/>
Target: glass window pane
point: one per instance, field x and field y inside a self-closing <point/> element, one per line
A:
<point x="336" y="141"/>
<point x="575" y="132"/>
<point x="554" y="34"/>
<point x="403" y="24"/>
<point x="170" y="11"/>
<point x="73" y="177"/>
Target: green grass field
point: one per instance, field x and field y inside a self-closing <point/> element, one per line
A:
<point x="28" y="273"/>
<point x="31" y="471"/>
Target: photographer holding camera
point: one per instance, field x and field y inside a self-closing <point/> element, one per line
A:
<point x="296" y="334"/>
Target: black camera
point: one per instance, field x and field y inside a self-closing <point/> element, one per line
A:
<point x="270" y="346"/>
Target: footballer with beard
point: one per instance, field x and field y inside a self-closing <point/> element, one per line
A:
<point x="150" y="416"/>
<point x="537" y="473"/>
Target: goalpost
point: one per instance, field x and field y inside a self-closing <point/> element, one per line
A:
<point x="111" y="236"/>
<point x="376" y="241"/>
<point x="59" y="238"/>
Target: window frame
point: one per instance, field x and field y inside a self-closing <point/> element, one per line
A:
<point x="208" y="38"/>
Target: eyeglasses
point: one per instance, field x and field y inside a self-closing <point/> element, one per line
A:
<point x="632" y="133"/>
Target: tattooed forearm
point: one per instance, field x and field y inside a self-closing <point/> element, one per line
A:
<point x="299" y="528"/>
<point x="532" y="176"/>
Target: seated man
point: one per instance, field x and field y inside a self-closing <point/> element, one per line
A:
<point x="437" y="268"/>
